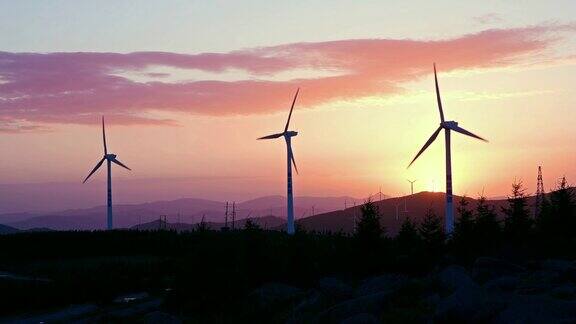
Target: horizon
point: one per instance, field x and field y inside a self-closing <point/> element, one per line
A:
<point x="189" y="108"/>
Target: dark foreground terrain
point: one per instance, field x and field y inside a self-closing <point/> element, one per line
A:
<point x="518" y="269"/>
<point x="266" y="276"/>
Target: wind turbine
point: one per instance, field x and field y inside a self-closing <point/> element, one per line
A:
<point x="109" y="158"/>
<point x="411" y="185"/>
<point x="447" y="126"/>
<point x="288" y="138"/>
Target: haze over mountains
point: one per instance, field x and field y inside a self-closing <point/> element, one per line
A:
<point x="268" y="212"/>
<point x="187" y="210"/>
<point x="393" y="212"/>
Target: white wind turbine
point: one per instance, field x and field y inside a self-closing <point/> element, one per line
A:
<point x="109" y="158"/>
<point x="411" y="185"/>
<point x="447" y="126"/>
<point x="287" y="137"/>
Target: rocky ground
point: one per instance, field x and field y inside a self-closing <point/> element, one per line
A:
<point x="491" y="291"/>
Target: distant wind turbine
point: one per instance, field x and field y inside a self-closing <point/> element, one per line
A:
<point x="447" y="126"/>
<point x="109" y="158"/>
<point x="287" y="137"/>
<point x="411" y="186"/>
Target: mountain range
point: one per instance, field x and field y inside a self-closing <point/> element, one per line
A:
<point x="187" y="210"/>
<point x="315" y="213"/>
<point x="393" y="212"/>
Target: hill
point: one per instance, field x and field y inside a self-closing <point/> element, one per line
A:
<point x="393" y="212"/>
<point x="264" y="222"/>
<point x="187" y="210"/>
<point x="4" y="229"/>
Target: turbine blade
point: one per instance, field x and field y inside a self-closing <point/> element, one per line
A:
<point x="438" y="95"/>
<point x="430" y="140"/>
<point x="292" y="158"/>
<point x="465" y="132"/>
<point x="94" y="170"/>
<point x="271" y="136"/>
<point x="291" y="108"/>
<point x="104" y="137"/>
<point x="120" y="164"/>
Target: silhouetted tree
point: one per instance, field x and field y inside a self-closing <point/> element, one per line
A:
<point x="544" y="221"/>
<point x="250" y="225"/>
<point x="202" y="226"/>
<point x="562" y="209"/>
<point x="517" y="222"/>
<point x="408" y="238"/>
<point x="368" y="228"/>
<point x="486" y="224"/>
<point x="432" y="232"/>
<point x="464" y="227"/>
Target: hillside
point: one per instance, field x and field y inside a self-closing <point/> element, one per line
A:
<point x="265" y="222"/>
<point x="4" y="229"/>
<point x="188" y="210"/>
<point x="392" y="212"/>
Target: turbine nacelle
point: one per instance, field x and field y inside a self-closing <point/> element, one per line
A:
<point x="449" y="124"/>
<point x="290" y="134"/>
<point x="107" y="156"/>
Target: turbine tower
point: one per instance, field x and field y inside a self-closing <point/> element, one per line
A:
<point x="109" y="158"/>
<point x="411" y="186"/>
<point x="288" y="138"/>
<point x="447" y="126"/>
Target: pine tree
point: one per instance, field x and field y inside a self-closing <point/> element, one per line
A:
<point x="464" y="227"/>
<point x="486" y="224"/>
<point x="563" y="209"/>
<point x="368" y="228"/>
<point x="250" y="225"/>
<point x="431" y="232"/>
<point x="545" y="221"/>
<point x="408" y="238"/>
<point x="517" y="222"/>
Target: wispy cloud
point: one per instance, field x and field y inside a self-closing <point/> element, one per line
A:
<point x="489" y="18"/>
<point x="43" y="88"/>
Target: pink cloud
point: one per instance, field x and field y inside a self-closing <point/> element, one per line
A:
<point x="46" y="88"/>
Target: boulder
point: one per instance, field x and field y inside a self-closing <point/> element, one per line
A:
<point x="453" y="277"/>
<point x="273" y="294"/>
<point x="308" y="308"/>
<point x="363" y="318"/>
<point x="335" y="288"/>
<point x="566" y="269"/>
<point x="468" y="304"/>
<point x="567" y="292"/>
<point x="538" y="309"/>
<point x="489" y="268"/>
<point x="383" y="283"/>
<point x="370" y="304"/>
<point x="504" y="284"/>
<point x="160" y="318"/>
<point x="557" y="265"/>
<point x="538" y="282"/>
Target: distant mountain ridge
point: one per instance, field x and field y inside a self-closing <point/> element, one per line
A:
<point x="267" y="211"/>
<point x="264" y="222"/>
<point x="185" y="210"/>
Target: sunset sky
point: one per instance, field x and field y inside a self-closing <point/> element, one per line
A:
<point x="187" y="87"/>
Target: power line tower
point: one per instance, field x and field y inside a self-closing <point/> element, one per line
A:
<point x="233" y="215"/>
<point x="226" y="217"/>
<point x="539" y="193"/>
